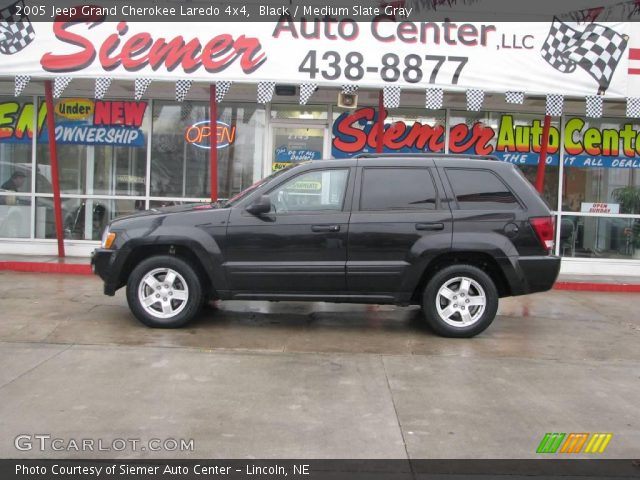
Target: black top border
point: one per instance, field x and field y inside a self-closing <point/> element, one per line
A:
<point x="316" y="10"/>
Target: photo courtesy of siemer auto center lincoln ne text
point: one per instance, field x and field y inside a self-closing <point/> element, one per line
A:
<point x="258" y="239"/>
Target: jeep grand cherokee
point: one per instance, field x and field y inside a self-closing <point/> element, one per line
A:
<point x="450" y="234"/>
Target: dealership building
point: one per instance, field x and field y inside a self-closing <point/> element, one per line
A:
<point x="140" y="141"/>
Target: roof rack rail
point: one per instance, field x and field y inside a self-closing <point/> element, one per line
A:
<point x="425" y="155"/>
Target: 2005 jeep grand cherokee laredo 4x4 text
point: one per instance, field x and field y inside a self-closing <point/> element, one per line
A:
<point x="449" y="234"/>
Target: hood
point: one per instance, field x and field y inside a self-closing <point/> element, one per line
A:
<point x="190" y="207"/>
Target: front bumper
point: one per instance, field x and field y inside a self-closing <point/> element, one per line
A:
<point x="539" y="273"/>
<point x="103" y="264"/>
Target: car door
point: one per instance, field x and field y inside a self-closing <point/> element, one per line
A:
<point x="397" y="225"/>
<point x="300" y="246"/>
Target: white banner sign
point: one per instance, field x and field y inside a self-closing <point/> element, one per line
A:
<point x="537" y="57"/>
<point x="586" y="207"/>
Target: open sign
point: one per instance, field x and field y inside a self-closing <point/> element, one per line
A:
<point x="199" y="134"/>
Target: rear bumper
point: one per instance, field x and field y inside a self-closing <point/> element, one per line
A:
<point x="103" y="264"/>
<point x="539" y="273"/>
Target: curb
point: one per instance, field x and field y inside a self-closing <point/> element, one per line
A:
<point x="597" y="287"/>
<point x="85" y="269"/>
<point x="43" y="267"/>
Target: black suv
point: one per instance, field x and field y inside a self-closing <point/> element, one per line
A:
<point x="451" y="234"/>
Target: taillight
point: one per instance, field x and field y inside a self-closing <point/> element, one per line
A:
<point x="543" y="226"/>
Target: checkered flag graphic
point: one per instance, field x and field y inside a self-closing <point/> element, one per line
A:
<point x="514" y="97"/>
<point x="633" y="107"/>
<point x="391" y="96"/>
<point x="350" y="89"/>
<point x="555" y="105"/>
<point x="16" y="31"/>
<point x="102" y="85"/>
<point x="561" y="37"/>
<point x="59" y="85"/>
<point x="182" y="88"/>
<point x="222" y="88"/>
<point x="597" y="50"/>
<point x="306" y="90"/>
<point x="434" y="98"/>
<point x="21" y="83"/>
<point x="594" y="106"/>
<point x="475" y="99"/>
<point x="140" y="86"/>
<point x="265" y="91"/>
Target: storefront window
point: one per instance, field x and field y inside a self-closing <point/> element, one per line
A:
<point x="600" y="237"/>
<point x="180" y="163"/>
<point x="513" y="138"/>
<point x="82" y="219"/>
<point x="16" y="133"/>
<point x="405" y="131"/>
<point x="102" y="147"/>
<point x="602" y="169"/>
<point x="15" y="216"/>
<point x="299" y="112"/>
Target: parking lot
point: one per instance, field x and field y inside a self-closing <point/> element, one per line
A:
<point x="294" y="380"/>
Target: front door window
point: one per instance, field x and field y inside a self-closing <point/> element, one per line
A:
<point x="312" y="191"/>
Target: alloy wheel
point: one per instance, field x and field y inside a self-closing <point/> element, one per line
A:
<point x="163" y="293"/>
<point x="461" y="301"/>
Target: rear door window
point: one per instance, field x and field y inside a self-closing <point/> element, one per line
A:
<point x="476" y="189"/>
<point x="397" y="189"/>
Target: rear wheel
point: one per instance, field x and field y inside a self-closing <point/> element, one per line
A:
<point x="164" y="292"/>
<point x="460" y="301"/>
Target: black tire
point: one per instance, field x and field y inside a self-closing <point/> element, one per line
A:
<point x="447" y="276"/>
<point x="193" y="292"/>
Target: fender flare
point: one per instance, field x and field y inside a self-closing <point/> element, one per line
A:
<point x="203" y="246"/>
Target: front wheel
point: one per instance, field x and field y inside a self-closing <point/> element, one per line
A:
<point x="460" y="301"/>
<point x="164" y="292"/>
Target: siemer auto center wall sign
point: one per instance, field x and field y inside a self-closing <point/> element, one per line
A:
<point x="535" y="57"/>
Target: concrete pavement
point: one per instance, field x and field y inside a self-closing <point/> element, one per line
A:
<point x="298" y="380"/>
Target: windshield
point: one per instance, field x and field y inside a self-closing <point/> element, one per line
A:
<point x="239" y="196"/>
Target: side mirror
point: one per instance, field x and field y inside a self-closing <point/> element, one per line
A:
<point x="260" y="206"/>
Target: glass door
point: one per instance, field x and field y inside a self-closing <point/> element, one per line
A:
<point x="292" y="143"/>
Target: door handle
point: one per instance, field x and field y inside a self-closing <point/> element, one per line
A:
<point x="325" y="228"/>
<point x="430" y="226"/>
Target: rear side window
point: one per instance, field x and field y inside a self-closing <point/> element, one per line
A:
<point x="397" y="189"/>
<point x="480" y="190"/>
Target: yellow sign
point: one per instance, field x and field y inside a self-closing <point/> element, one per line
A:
<point x="280" y="165"/>
<point x="75" y="108"/>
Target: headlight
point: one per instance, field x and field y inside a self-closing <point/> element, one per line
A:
<point x="108" y="238"/>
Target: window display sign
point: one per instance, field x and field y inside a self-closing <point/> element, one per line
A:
<point x="296" y="144"/>
<point x="75" y="108"/>
<point x="285" y="154"/>
<point x="199" y="134"/>
<point x="85" y="122"/>
<point x="16" y="121"/>
<point x="356" y="132"/>
<point x="600" y="207"/>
